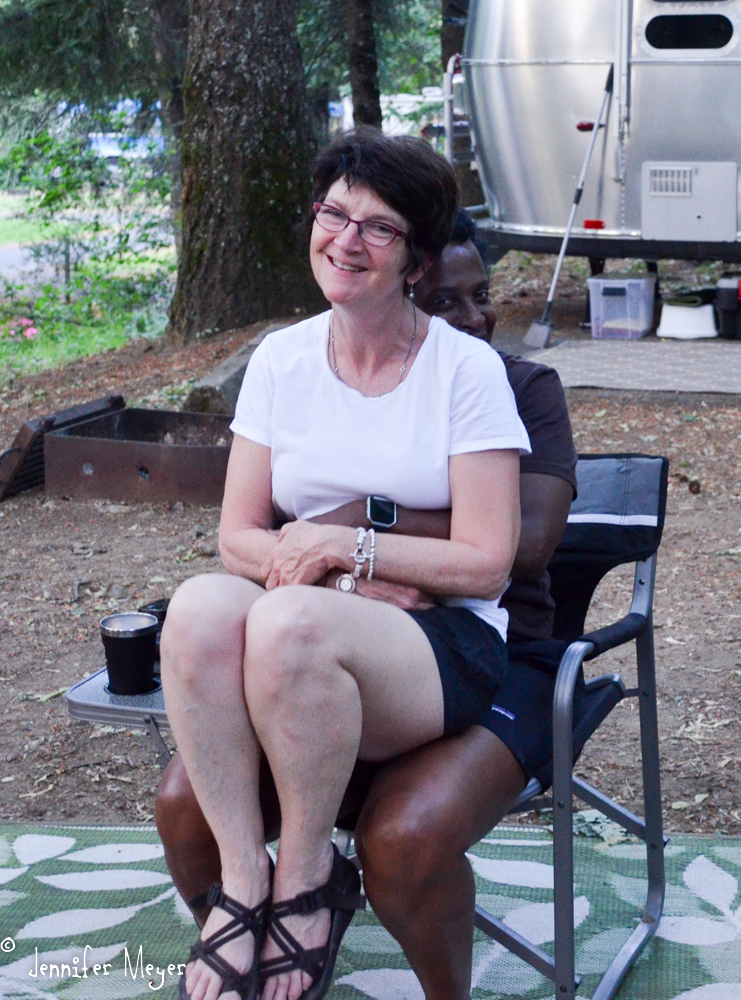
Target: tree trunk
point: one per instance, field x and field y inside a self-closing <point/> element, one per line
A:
<point x="453" y="31"/>
<point x="362" y="62"/>
<point x="246" y="170"/>
<point x="452" y="36"/>
<point x="170" y="18"/>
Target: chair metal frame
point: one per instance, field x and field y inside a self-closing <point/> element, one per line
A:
<point x="90" y="700"/>
<point x="561" y="969"/>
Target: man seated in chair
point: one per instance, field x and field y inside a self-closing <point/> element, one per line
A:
<point x="416" y="816"/>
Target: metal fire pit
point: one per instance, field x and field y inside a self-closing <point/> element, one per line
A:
<point x="22" y="465"/>
<point x="140" y="455"/>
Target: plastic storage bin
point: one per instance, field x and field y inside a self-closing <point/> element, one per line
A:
<point x="622" y="308"/>
<point x="728" y="305"/>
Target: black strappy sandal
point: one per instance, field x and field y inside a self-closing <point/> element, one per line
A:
<point x="245" y="984"/>
<point x="341" y="894"/>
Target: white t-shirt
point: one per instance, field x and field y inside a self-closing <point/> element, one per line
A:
<point x="330" y="444"/>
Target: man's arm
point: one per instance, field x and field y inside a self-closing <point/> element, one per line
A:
<point x="420" y="523"/>
<point x="544" y="504"/>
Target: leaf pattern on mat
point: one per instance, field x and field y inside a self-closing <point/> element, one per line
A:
<point x="8" y="897"/>
<point x="680" y="902"/>
<point x="112" y="854"/>
<point x="6" y="850"/>
<point x="105" y="880"/>
<point x="32" y="847"/>
<point x="511" y="977"/>
<point x="596" y="954"/>
<point x="711" y="883"/>
<point x="83" y="921"/>
<point x="8" y="874"/>
<point x="533" y="874"/>
<point x="504" y="842"/>
<point x="695" y="930"/>
<point x="182" y="911"/>
<point x="715" y="886"/>
<point x="385" y="984"/>
<point x="371" y="939"/>
<point x="712" y="991"/>
<point x="535" y="921"/>
<point x="119" y="985"/>
<point x="722" y="961"/>
<point x="701" y="929"/>
<point x="728" y="852"/>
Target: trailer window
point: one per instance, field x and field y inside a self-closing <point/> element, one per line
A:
<point x="689" y="31"/>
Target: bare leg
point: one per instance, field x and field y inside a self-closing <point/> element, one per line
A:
<point x="321" y="676"/>
<point x="329" y="677"/>
<point x="191" y="852"/>
<point x="424" y="811"/>
<point x="202" y="672"/>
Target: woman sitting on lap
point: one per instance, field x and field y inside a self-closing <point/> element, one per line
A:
<point x="370" y="398"/>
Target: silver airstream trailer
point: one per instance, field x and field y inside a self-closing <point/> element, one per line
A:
<point x="663" y="180"/>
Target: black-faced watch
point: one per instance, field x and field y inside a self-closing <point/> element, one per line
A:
<point x="380" y="512"/>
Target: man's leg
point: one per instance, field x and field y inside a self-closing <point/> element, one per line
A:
<point x="191" y="852"/>
<point x="424" y="811"/>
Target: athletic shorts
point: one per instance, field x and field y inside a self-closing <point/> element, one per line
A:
<point x="521" y="715"/>
<point x="472" y="660"/>
<point x="521" y="712"/>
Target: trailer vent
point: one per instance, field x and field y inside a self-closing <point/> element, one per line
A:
<point x="674" y="181"/>
<point x="689" y="201"/>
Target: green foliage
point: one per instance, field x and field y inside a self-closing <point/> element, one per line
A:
<point x="322" y="36"/>
<point x="407" y="41"/>
<point x="15" y="226"/>
<point x="87" y="207"/>
<point x="106" y="227"/>
<point x="65" y="172"/>
<point x="89" y="52"/>
<point x="408" y="38"/>
<point x="42" y="329"/>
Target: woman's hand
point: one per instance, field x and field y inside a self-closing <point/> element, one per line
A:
<point x="398" y="594"/>
<point x="306" y="552"/>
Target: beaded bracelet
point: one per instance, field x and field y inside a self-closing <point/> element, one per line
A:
<point x="346" y="582"/>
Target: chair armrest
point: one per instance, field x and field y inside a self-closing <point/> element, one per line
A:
<point x="614" y="635"/>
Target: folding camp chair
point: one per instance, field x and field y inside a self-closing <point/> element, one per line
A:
<point x="617" y="518"/>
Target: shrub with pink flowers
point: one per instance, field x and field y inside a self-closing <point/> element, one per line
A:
<point x="23" y="326"/>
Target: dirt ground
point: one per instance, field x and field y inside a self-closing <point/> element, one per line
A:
<point x="65" y="563"/>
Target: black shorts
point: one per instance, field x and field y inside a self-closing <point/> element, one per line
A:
<point x="521" y="715"/>
<point x="472" y="660"/>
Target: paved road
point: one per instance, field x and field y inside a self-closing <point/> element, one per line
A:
<point x="17" y="265"/>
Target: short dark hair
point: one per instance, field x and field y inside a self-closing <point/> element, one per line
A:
<point x="403" y="171"/>
<point x="464" y="228"/>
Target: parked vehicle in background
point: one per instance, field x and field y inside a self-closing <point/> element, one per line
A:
<point x="663" y="182"/>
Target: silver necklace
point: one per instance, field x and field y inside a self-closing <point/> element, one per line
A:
<point x="404" y="364"/>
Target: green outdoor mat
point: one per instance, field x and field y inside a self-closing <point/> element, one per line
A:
<point x="100" y="899"/>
